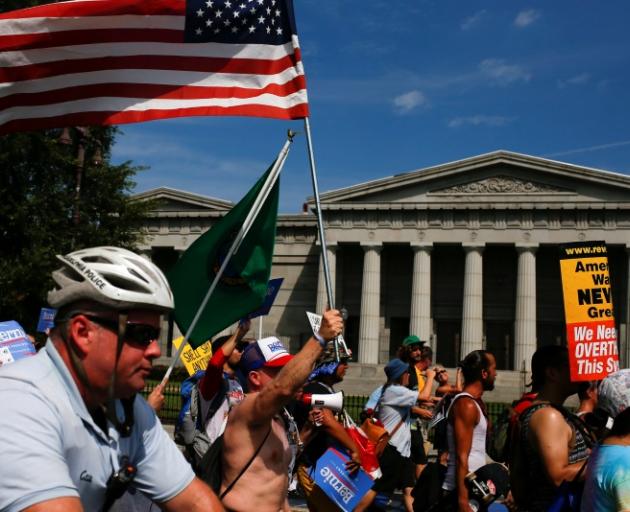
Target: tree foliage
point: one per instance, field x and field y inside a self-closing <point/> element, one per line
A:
<point x="37" y="186"/>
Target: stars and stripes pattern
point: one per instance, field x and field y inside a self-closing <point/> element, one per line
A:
<point x="122" y="61"/>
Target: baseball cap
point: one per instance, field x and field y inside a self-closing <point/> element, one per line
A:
<point x="269" y="352"/>
<point x="412" y="340"/>
<point x="395" y="368"/>
<point x="613" y="395"/>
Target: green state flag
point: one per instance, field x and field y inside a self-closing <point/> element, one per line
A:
<point x="243" y="285"/>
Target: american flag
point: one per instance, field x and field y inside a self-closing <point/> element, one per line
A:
<point x="123" y="61"/>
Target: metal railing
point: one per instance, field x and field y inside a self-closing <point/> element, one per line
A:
<point x="352" y="403"/>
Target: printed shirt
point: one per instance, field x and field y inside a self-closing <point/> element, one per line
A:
<point x="607" y="484"/>
<point x="50" y="447"/>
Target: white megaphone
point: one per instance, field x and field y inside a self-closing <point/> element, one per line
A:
<point x="332" y="401"/>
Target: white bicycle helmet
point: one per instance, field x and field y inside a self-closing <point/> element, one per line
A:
<point x="111" y="276"/>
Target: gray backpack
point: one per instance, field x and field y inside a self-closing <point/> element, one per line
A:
<point x="192" y="431"/>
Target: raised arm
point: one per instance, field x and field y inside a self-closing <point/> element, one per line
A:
<point x="282" y="389"/>
<point x="211" y="381"/>
<point x="424" y="394"/>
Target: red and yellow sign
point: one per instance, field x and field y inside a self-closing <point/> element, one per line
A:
<point x="588" y="310"/>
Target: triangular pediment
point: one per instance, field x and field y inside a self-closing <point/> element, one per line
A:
<point x="178" y="201"/>
<point x="501" y="185"/>
<point x="489" y="178"/>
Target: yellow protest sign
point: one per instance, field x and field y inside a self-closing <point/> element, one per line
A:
<point x="588" y="310"/>
<point x="194" y="359"/>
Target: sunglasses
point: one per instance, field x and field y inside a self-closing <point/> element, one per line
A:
<point x="141" y="335"/>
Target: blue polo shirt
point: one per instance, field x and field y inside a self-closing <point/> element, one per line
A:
<point x="50" y="447"/>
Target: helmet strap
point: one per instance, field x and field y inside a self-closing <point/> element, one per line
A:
<point x="124" y="427"/>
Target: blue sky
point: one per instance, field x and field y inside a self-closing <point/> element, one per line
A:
<point x="400" y="85"/>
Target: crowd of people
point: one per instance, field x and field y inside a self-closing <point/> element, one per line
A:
<point x="76" y="435"/>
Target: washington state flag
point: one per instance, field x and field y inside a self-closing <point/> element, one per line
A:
<point x="243" y="285"/>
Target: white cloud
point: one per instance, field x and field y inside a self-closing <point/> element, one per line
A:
<point x="409" y="101"/>
<point x="580" y="79"/>
<point x="474" y="20"/>
<point x="526" y="18"/>
<point x="479" y="120"/>
<point x="590" y="149"/>
<point x="502" y="73"/>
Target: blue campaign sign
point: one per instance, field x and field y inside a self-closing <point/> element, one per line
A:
<point x="14" y="344"/>
<point x="46" y="319"/>
<point x="273" y="287"/>
<point x="332" y="478"/>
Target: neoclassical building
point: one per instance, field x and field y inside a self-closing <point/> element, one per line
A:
<point x="464" y="254"/>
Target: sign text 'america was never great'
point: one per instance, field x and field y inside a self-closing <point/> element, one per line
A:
<point x="589" y="313"/>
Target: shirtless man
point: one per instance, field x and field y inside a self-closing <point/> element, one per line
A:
<point x="274" y="378"/>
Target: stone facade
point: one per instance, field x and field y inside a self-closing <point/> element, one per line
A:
<point x="462" y="254"/>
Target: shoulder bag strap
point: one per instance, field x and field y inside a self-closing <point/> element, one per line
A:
<point x="249" y="463"/>
<point x="403" y="419"/>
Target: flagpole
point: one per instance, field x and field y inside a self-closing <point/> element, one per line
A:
<point x="240" y="236"/>
<point x="320" y="224"/>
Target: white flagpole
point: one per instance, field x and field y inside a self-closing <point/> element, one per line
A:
<point x="320" y="224"/>
<point x="240" y="236"/>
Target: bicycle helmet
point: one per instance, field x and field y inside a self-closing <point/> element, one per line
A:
<point x="112" y="276"/>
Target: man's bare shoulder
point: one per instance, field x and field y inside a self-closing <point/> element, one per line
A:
<point x="548" y="421"/>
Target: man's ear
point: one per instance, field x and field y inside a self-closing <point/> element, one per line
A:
<point x="254" y="378"/>
<point x="80" y="334"/>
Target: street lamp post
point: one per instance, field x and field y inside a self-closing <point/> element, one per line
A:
<point x="84" y="136"/>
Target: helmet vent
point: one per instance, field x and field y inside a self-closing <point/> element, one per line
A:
<point x="136" y="274"/>
<point x="125" y="284"/>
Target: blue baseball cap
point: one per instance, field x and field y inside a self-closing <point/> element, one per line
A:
<point x="268" y="352"/>
<point x="395" y="368"/>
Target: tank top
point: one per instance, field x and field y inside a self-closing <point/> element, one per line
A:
<point x="542" y="490"/>
<point x="477" y="456"/>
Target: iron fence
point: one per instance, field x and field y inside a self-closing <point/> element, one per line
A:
<point x="352" y="403"/>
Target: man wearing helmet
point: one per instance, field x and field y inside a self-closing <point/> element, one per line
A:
<point x="73" y="433"/>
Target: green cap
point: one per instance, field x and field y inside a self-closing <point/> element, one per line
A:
<point x="412" y="340"/>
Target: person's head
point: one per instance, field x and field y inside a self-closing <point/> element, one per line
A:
<point x="479" y="366"/>
<point x="397" y="372"/>
<point x="327" y="368"/>
<point x="262" y="360"/>
<point x="587" y="391"/>
<point x="441" y="376"/>
<point x="426" y="357"/>
<point x="109" y="303"/>
<point x="411" y="349"/>
<point x="235" y="357"/>
<point x="550" y="368"/>
<point x="614" y="402"/>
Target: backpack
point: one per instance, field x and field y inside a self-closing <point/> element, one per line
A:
<point x="191" y="432"/>
<point x="439" y="423"/>
<point x="185" y="424"/>
<point x="503" y="435"/>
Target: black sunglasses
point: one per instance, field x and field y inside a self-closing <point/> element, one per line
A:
<point x="138" y="334"/>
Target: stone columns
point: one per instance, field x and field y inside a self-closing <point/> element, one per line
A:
<point x="420" y="322"/>
<point x="525" y="317"/>
<point x="369" y="326"/>
<point x="472" y="314"/>
<point x="322" y="296"/>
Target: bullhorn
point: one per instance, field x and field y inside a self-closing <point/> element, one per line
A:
<point x="333" y="401"/>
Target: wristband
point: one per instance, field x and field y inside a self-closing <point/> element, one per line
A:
<point x="322" y="341"/>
